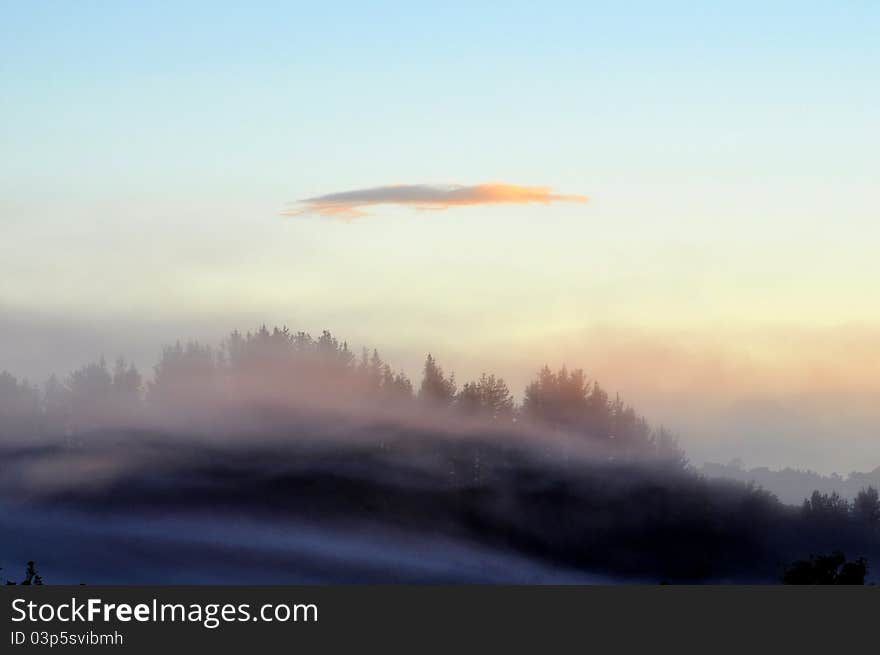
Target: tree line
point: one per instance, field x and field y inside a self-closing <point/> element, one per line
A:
<point x="270" y="365"/>
<point x="792" y="485"/>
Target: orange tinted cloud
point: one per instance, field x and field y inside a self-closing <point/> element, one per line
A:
<point x="350" y="204"/>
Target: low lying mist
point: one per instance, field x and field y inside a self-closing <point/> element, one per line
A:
<point x="279" y="457"/>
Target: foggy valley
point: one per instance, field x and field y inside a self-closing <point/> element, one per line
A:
<point x="278" y="457"/>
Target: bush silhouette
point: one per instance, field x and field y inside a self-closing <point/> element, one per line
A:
<point x="830" y="569"/>
<point x="31" y="577"/>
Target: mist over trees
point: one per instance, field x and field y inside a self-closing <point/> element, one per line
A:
<point x="20" y="406"/>
<point x="283" y="371"/>
<point x="793" y="485"/>
<point x="303" y="428"/>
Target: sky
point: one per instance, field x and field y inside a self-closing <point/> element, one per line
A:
<point x="721" y="274"/>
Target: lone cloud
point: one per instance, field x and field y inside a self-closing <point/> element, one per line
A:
<point x="350" y="204"/>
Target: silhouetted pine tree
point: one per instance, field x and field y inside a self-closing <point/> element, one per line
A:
<point x="436" y="389"/>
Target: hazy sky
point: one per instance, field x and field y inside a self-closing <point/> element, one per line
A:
<point x="729" y="152"/>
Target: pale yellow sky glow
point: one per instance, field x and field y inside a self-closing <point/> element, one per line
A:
<point x="692" y="321"/>
<point x="686" y="318"/>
